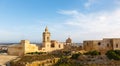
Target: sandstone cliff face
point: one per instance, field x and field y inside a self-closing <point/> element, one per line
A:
<point x="47" y="62"/>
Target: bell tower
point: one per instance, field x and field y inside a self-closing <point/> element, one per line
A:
<point x="46" y="38"/>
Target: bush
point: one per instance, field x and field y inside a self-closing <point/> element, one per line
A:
<point x="67" y="52"/>
<point x="67" y="62"/>
<point x="92" y="53"/>
<point x="117" y="52"/>
<point x="113" y="54"/>
<point x="75" y="56"/>
<point x="38" y="53"/>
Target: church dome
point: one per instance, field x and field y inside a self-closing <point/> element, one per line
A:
<point x="69" y="40"/>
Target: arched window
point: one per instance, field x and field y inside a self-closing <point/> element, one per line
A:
<point x="47" y="38"/>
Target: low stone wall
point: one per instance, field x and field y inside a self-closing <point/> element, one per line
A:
<point x="46" y="62"/>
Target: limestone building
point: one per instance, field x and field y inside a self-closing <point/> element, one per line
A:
<point x="49" y="45"/>
<point x="102" y="45"/>
<point x="90" y="45"/>
<point x="69" y="41"/>
<point x="22" y="48"/>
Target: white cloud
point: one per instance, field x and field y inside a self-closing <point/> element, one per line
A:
<point x="100" y="24"/>
<point x="73" y="12"/>
<point x="89" y="3"/>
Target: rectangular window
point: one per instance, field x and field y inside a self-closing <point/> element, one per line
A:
<point x="116" y="45"/>
<point x="59" y="46"/>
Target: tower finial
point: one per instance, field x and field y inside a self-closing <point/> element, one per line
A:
<point x="46" y="29"/>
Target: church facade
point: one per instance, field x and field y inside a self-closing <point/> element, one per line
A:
<point x="49" y="45"/>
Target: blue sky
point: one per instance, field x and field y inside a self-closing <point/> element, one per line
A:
<point x="79" y="19"/>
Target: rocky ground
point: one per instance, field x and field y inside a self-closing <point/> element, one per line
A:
<point x="100" y="60"/>
<point x="6" y="58"/>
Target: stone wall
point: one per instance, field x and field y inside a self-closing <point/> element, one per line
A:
<point x="102" y="45"/>
<point x="31" y="48"/>
<point x="116" y="44"/>
<point x="91" y="45"/>
<point x="22" y="48"/>
<point x="15" y="50"/>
